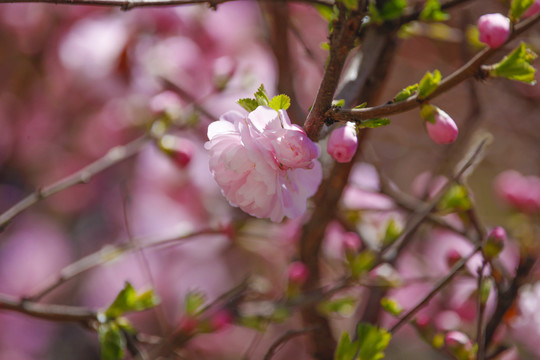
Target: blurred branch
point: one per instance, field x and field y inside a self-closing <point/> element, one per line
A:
<point x="169" y="85"/>
<point x="438" y="286"/>
<point x="283" y="339"/>
<point x="83" y="176"/>
<point x="63" y="313"/>
<point x="470" y="69"/>
<point x="131" y="4"/>
<point x="112" y="252"/>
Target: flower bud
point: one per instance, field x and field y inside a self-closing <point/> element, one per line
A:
<point x="343" y="143"/>
<point x="440" y="127"/>
<point x="495" y="242"/>
<point x="180" y="150"/>
<point x="220" y="320"/>
<point x="351" y="242"/>
<point x="297" y="273"/>
<point x="494" y="29"/>
<point x="532" y="10"/>
<point x="452" y="257"/>
<point x="188" y="325"/>
<point x="457" y="339"/>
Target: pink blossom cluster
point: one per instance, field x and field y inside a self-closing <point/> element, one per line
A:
<point x="518" y="191"/>
<point x="263" y="164"/>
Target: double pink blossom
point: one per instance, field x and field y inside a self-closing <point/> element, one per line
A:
<point x="263" y="164"/>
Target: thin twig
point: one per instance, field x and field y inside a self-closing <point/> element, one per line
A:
<point x="112" y="252"/>
<point x="83" y="176"/>
<point x="438" y="286"/>
<point x="481" y="307"/>
<point x="284" y="338"/>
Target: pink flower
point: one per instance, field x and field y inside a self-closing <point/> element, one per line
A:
<point x="444" y="130"/>
<point x="263" y="164"/>
<point x="343" y="143"/>
<point x="521" y="192"/>
<point x="297" y="272"/>
<point x="494" y="29"/>
<point x="532" y="10"/>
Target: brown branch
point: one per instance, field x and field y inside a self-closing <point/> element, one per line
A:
<point x="83" y="176"/>
<point x="283" y="339"/>
<point x="345" y="29"/>
<point x="61" y="313"/>
<point x="470" y="69"/>
<point x="131" y="4"/>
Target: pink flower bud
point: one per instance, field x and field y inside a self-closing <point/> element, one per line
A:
<point x="351" y="242"/>
<point x="343" y="143"/>
<point x="520" y="192"/>
<point x="298" y="272"/>
<point x="180" y="150"/>
<point x="444" y="130"/>
<point x="220" y="320"/>
<point x="494" y="29"/>
<point x="532" y="10"/>
<point x="495" y="242"/>
<point x="188" y="325"/>
<point x="457" y="340"/>
<point x="452" y="257"/>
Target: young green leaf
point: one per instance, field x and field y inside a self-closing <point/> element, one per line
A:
<point x="343" y="306"/>
<point x="392" y="9"/>
<point x="432" y="12"/>
<point x="429" y="84"/>
<point x="518" y="8"/>
<point x="362" y="263"/>
<point x="350" y="4"/>
<point x="261" y="96"/>
<point x="361" y="106"/>
<point x="128" y="300"/>
<point x="391" y="306"/>
<point x="346" y="350"/>
<point x="194" y="302"/>
<point x="517" y="65"/>
<point x="406" y="93"/>
<point x="393" y="230"/>
<point x="248" y="104"/>
<point x="112" y="342"/>
<point x="455" y="199"/>
<point x="371" y="341"/>
<point x="338" y="102"/>
<point x="373" y="123"/>
<point x="279" y="102"/>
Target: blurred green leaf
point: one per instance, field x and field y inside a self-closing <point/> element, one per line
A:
<point x="128" y="300"/>
<point x="393" y="230"/>
<point x="518" y="7"/>
<point x="193" y="302"/>
<point x="112" y="342"/>
<point x="373" y="123"/>
<point x="338" y="102"/>
<point x="372" y="341"/>
<point x="390" y="10"/>
<point x="517" y="65"/>
<point x="346" y="350"/>
<point x="406" y="93"/>
<point x="361" y="106"/>
<point x="456" y="199"/>
<point x="343" y="306"/>
<point x="362" y="262"/>
<point x="429" y="83"/>
<point x="391" y="306"/>
<point x="432" y="12"/>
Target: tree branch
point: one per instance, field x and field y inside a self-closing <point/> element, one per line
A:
<point x="83" y="176"/>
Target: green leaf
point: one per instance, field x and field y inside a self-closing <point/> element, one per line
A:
<point x="261" y="96"/>
<point x="391" y="306"/>
<point x="112" y="342"/>
<point x="518" y="7"/>
<point x="372" y="341"/>
<point x="327" y="12"/>
<point x="432" y="12"/>
<point x="279" y="102"/>
<point x="338" y="102"/>
<point x="456" y="199"/>
<point x="362" y="263"/>
<point x="517" y="65"/>
<point x="429" y="83"/>
<point x="427" y="113"/>
<point x="485" y="289"/>
<point x="361" y="106"/>
<point x="373" y="123"/>
<point x="193" y="302"/>
<point x="392" y="9"/>
<point x="350" y="4"/>
<point x="393" y="230"/>
<point x="128" y="300"/>
<point x="346" y="350"/>
<point x="248" y="104"/>
<point x="406" y="93"/>
<point x="343" y="306"/>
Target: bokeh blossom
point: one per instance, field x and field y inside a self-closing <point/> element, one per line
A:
<point x="263" y="164"/>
